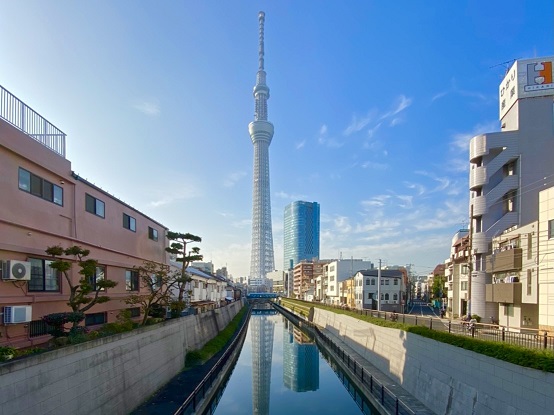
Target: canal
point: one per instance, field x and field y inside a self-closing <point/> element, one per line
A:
<point x="281" y="370"/>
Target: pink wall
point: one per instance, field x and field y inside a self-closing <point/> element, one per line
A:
<point x="29" y="224"/>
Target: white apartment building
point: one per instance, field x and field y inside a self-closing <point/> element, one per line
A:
<point x="278" y="280"/>
<point x="508" y="168"/>
<point x="456" y="273"/>
<point x="386" y="293"/>
<point x="545" y="260"/>
<point x="337" y="271"/>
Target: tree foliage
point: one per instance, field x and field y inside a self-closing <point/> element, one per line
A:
<point x="156" y="282"/>
<point x="178" y="247"/>
<point x="437" y="289"/>
<point x="86" y="292"/>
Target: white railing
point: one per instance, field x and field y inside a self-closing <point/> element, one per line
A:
<point x="30" y="122"/>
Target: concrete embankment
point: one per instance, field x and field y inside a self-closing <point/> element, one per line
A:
<point x="445" y="378"/>
<point x="111" y="375"/>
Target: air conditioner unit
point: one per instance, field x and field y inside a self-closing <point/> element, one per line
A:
<point x="17" y="314"/>
<point x="16" y="270"/>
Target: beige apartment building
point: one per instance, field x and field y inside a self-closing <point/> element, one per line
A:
<point x="44" y="203"/>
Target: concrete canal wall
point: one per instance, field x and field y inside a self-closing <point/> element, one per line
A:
<point x="445" y="378"/>
<point x="111" y="375"/>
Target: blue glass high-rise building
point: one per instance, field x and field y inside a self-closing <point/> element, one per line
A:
<point x="301" y="231"/>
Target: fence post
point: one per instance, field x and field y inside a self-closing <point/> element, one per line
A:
<point x="416" y="320"/>
<point x="430" y="323"/>
<point x="545" y="339"/>
<point x="450" y="326"/>
<point x="503" y="334"/>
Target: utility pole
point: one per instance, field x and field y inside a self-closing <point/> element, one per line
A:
<point x="379" y="287"/>
<point x="470" y="261"/>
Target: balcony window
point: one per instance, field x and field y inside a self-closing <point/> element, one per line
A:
<point x="37" y="186"/>
<point x="129" y="222"/>
<point x="43" y="278"/>
<point x="94" y="206"/>
<point x="131" y="280"/>
<point x="152" y="234"/>
<point x="551" y="229"/>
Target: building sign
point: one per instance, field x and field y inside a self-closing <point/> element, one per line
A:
<point x="526" y="78"/>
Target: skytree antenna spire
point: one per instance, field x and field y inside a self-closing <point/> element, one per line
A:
<point x="261" y="133"/>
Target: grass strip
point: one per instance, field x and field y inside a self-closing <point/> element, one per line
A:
<point x="215" y="345"/>
<point x="511" y="353"/>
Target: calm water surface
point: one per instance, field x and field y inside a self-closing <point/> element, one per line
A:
<point x="281" y="371"/>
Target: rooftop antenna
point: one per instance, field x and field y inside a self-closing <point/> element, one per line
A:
<point x="507" y="65"/>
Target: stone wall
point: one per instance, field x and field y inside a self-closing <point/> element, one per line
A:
<point x="111" y="375"/>
<point x="447" y="379"/>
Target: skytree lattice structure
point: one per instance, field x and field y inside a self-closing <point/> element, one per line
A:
<point x="261" y="133"/>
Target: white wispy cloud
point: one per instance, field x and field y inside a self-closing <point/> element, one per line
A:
<point x="150" y="108"/>
<point x="378" y="200"/>
<point x="373" y="165"/>
<point x="233" y="178"/>
<point x="358" y="124"/>
<point x="460" y="141"/>
<point x="289" y="196"/>
<point x="300" y="144"/>
<point x="463" y="92"/>
<point x="419" y="188"/>
<point x="402" y="102"/>
<point x="342" y="224"/>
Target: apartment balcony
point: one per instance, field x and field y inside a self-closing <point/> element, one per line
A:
<point x="507" y="184"/>
<point x="509" y="293"/>
<point x="480" y="243"/>
<point x="507" y="260"/>
<point x="478" y="146"/>
<point x="477" y="177"/>
<point x="481" y="145"/>
<point x="479" y="205"/>
<point x="25" y="119"/>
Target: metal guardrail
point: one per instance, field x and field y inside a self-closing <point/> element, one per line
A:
<point x="190" y="405"/>
<point x="378" y="390"/>
<point x="24" y="118"/>
<point x="531" y="338"/>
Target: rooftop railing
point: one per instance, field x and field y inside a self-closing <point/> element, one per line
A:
<point x="30" y="122"/>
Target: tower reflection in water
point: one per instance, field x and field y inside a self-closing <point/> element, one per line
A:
<point x="300" y="360"/>
<point x="261" y="329"/>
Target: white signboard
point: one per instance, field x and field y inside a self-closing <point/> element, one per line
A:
<point x="526" y="78"/>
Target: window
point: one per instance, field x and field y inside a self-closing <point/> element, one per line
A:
<point x="529" y="281"/>
<point x="464" y="269"/>
<point x="382" y="297"/>
<point x="99" y="275"/>
<point x="509" y="310"/>
<point x="129" y="222"/>
<point x="43" y="278"/>
<point x="463" y="285"/>
<point x="31" y="183"/>
<point x="152" y="234"/>
<point x="382" y="282"/>
<point x="94" y="205"/>
<point x="367" y="281"/>
<point x="551" y="229"/>
<point x="94" y="319"/>
<point x="395" y="297"/>
<point x="529" y="245"/>
<point x="387" y="282"/>
<point x="387" y="297"/>
<point x="370" y="296"/>
<point x="135" y="312"/>
<point x="38" y="328"/>
<point x="131" y="280"/>
<point x="373" y="281"/>
<point x="156" y="282"/>
<point x="395" y="281"/>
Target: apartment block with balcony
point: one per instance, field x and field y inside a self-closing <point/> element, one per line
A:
<point x="514" y="288"/>
<point x="44" y="203"/>
<point x="506" y="166"/>
<point x="545" y="260"/>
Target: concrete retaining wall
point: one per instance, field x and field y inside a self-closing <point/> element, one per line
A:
<point x="112" y="375"/>
<point x="447" y="379"/>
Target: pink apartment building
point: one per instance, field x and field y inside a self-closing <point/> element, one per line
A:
<point x="44" y="203"/>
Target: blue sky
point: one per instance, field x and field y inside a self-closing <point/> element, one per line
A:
<point x="373" y="103"/>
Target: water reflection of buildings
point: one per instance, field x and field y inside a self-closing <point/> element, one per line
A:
<point x="261" y="329"/>
<point x="300" y="360"/>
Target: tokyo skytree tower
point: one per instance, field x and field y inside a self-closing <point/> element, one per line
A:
<point x="261" y="133"/>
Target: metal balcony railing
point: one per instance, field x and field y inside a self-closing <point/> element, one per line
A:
<point x="24" y="118"/>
